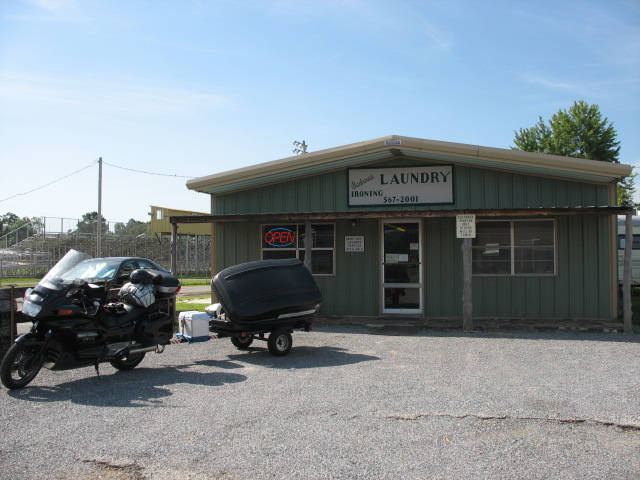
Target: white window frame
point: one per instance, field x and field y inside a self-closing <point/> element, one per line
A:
<point x="297" y="249"/>
<point x="512" y="248"/>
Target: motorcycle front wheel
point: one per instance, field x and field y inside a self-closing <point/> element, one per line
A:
<point x="20" y="365"/>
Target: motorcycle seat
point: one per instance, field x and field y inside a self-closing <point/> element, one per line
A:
<point x="123" y="315"/>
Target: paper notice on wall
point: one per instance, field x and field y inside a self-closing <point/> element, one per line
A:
<point x="354" y="243"/>
<point x="465" y="226"/>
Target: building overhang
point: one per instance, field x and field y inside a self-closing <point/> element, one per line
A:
<point x="394" y="146"/>
<point x="356" y="215"/>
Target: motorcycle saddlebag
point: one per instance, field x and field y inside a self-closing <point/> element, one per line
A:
<point x="167" y="285"/>
<point x="155" y="330"/>
<point x="267" y="290"/>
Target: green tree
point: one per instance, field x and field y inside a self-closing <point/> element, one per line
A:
<point x="88" y="224"/>
<point x="8" y="222"/>
<point x="132" y="227"/>
<point x="579" y="132"/>
<point x="20" y="228"/>
<point x="626" y="191"/>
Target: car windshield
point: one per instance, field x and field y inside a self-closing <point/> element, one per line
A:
<point x="94" y="269"/>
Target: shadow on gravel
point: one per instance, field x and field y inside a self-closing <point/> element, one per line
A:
<point x="302" y="357"/>
<point x="140" y="387"/>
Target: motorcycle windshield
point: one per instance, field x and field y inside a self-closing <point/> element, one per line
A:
<point x="58" y="276"/>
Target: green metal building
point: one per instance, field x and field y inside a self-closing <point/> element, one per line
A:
<point x="383" y="220"/>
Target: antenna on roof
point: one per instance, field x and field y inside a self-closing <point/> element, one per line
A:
<point x="301" y="148"/>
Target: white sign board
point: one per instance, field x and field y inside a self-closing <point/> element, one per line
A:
<point x="465" y="226"/>
<point x="400" y="186"/>
<point x="354" y="244"/>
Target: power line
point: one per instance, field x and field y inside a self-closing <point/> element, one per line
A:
<point x="148" y="173"/>
<point x="84" y="168"/>
<point x="50" y="183"/>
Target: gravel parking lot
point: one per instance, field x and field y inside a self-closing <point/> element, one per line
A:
<point x="346" y="403"/>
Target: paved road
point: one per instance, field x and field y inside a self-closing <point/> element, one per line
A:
<point x="191" y="290"/>
<point x="344" y="404"/>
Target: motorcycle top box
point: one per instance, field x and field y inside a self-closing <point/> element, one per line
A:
<point x="267" y="292"/>
<point x="166" y="284"/>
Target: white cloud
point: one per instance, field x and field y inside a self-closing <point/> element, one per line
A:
<point x="106" y="98"/>
<point x="52" y="5"/>
<point x="552" y="84"/>
<point x="401" y="22"/>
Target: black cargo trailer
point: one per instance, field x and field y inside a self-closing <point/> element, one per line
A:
<point x="266" y="296"/>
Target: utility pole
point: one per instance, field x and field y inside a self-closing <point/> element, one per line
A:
<point x="99" y="227"/>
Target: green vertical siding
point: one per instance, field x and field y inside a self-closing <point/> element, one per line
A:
<point x="443" y="268"/>
<point x="237" y="243"/>
<point x="581" y="287"/>
<point x="473" y="188"/>
<point x="353" y="290"/>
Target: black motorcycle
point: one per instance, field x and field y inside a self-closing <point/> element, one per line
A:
<point x="76" y="323"/>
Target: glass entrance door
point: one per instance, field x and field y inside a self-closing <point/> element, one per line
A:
<point x="402" y="267"/>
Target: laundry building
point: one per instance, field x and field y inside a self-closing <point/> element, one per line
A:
<point x="385" y="221"/>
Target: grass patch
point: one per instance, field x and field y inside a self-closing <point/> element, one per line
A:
<point x="19" y="282"/>
<point x="192" y="282"/>
<point x="186" y="304"/>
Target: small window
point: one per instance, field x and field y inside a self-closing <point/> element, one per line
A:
<point x="287" y="241"/>
<point x="622" y="242"/>
<point x="146" y="265"/>
<point x="128" y="267"/>
<point x="514" y="247"/>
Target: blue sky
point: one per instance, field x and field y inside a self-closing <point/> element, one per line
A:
<point x="196" y="87"/>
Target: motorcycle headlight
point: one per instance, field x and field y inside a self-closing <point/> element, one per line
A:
<point x="31" y="309"/>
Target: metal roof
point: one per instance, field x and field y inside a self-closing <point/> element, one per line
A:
<point x="395" y="146"/>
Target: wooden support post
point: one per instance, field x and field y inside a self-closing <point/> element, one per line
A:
<point x="308" y="243"/>
<point x="12" y="317"/>
<point x="214" y="258"/>
<point x="174" y="248"/>
<point x="467" y="287"/>
<point x="626" y="274"/>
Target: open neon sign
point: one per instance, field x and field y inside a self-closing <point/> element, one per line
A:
<point x="280" y="237"/>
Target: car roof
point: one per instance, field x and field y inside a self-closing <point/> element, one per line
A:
<point x="124" y="259"/>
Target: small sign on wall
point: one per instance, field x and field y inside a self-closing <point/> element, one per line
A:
<point x="354" y="243"/>
<point x="465" y="226"/>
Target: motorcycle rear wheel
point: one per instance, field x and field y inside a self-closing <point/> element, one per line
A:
<point x="20" y="365"/>
<point x="127" y="363"/>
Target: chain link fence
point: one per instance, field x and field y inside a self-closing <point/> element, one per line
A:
<point x="32" y="250"/>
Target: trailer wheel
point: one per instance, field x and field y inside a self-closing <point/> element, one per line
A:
<point x="279" y="342"/>
<point x="242" y="342"/>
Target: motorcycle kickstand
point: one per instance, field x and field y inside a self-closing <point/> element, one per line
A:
<point x="101" y="358"/>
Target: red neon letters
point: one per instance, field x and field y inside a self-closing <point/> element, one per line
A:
<point x="280" y="237"/>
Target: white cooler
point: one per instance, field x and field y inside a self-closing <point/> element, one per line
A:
<point x="194" y="326"/>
